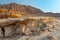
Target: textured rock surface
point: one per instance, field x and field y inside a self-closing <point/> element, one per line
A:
<point x="1" y="35"/>
<point x="9" y="31"/>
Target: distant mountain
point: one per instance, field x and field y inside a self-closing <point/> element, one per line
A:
<point x="17" y="10"/>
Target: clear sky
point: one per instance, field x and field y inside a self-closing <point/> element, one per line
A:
<point x="45" y="5"/>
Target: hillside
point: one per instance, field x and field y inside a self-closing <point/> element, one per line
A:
<point x="14" y="9"/>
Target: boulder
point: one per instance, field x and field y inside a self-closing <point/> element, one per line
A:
<point x="9" y="31"/>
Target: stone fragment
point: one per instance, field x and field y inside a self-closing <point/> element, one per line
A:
<point x="9" y="31"/>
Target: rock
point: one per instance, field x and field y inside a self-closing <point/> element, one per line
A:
<point x="1" y="35"/>
<point x="18" y="30"/>
<point x="9" y="21"/>
<point x="9" y="31"/>
<point x="23" y="38"/>
<point x="52" y="37"/>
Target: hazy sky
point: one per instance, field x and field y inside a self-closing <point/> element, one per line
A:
<point x="45" y="5"/>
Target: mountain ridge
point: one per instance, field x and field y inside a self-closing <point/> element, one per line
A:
<point x="19" y="10"/>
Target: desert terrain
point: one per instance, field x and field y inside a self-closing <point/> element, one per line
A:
<point x="22" y="22"/>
